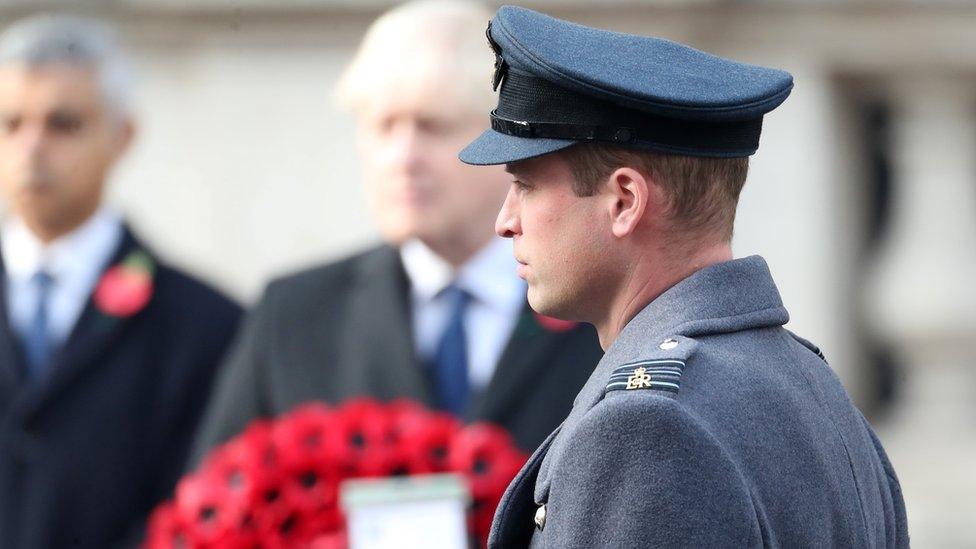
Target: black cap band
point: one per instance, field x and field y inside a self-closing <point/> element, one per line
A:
<point x="532" y="107"/>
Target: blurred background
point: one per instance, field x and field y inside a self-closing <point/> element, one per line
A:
<point x="862" y="197"/>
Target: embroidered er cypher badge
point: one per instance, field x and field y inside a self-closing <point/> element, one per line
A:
<point x="660" y="374"/>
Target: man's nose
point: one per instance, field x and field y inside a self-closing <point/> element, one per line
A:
<point x="407" y="148"/>
<point x="30" y="139"/>
<point x="507" y="223"/>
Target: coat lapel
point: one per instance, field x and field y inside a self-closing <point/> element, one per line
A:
<point x="519" y="369"/>
<point x="377" y="343"/>
<point x="92" y="334"/>
<point x="11" y="356"/>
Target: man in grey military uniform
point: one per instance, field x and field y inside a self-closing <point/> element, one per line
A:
<point x="706" y="424"/>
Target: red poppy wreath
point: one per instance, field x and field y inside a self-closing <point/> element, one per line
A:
<point x="276" y="485"/>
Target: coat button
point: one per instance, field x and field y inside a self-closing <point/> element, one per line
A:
<point x="540" y="516"/>
<point x="668" y="344"/>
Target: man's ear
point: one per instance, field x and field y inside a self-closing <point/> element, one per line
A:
<point x="633" y="195"/>
<point x="125" y="135"/>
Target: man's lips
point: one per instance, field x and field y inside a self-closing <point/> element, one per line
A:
<point x="410" y="199"/>
<point x="34" y="186"/>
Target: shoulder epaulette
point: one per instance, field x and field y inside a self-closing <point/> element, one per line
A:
<point x="658" y="374"/>
<point x="659" y="369"/>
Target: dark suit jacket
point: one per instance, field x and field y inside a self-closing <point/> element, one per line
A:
<point x="343" y="330"/>
<point x="88" y="451"/>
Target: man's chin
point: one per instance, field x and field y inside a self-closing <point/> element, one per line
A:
<point x="405" y="228"/>
<point x="398" y="234"/>
<point x="546" y="305"/>
<point x="35" y="182"/>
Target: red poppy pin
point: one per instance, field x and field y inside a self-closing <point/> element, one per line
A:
<point x="127" y="286"/>
<point x="554" y="324"/>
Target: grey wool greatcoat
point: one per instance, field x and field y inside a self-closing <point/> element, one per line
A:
<point x="707" y="424"/>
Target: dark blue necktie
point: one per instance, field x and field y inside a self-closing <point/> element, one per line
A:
<point x="451" y="360"/>
<point x="37" y="343"/>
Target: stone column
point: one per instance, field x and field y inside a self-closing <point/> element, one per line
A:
<point x="921" y="298"/>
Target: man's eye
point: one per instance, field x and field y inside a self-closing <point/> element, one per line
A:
<point x="381" y="126"/>
<point x="520" y="185"/>
<point x="434" y="126"/>
<point x="64" y="123"/>
<point x="11" y="123"/>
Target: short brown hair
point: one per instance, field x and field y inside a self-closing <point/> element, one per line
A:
<point x="702" y="192"/>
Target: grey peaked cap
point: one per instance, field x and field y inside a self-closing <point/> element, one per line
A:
<point x="564" y="83"/>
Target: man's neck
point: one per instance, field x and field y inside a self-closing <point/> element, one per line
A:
<point x="651" y="277"/>
<point x="456" y="252"/>
<point x="47" y="233"/>
<point x="86" y="246"/>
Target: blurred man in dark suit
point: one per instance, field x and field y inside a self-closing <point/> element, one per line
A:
<point x="106" y="355"/>
<point x="437" y="314"/>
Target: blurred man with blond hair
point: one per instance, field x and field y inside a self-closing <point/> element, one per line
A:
<point x="106" y="355"/>
<point x="436" y="313"/>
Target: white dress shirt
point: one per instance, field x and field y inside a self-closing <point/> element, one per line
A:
<point x="497" y="298"/>
<point x="74" y="262"/>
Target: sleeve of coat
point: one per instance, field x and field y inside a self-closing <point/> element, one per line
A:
<point x="896" y="520"/>
<point x="239" y="393"/>
<point x="640" y="471"/>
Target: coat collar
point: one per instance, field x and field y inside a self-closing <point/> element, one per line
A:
<point x="92" y="333"/>
<point x="726" y="297"/>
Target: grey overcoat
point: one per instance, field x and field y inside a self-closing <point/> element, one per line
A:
<point x="707" y="424"/>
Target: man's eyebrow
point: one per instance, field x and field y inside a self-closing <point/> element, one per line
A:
<point x="513" y="169"/>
